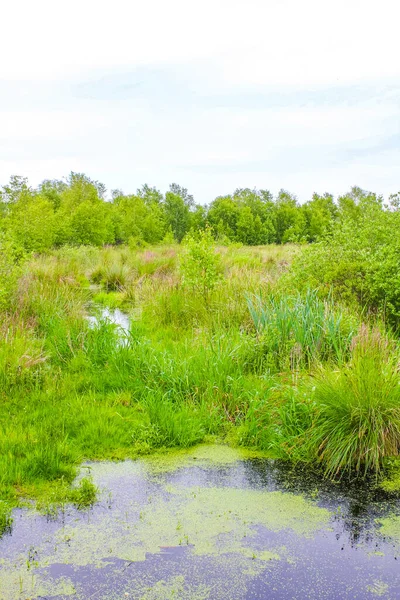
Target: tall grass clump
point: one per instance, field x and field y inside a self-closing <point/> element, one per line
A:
<point x="173" y="425"/>
<point x="357" y="422"/>
<point x="85" y="494"/>
<point x="113" y="277"/>
<point x="22" y="358"/>
<point x="5" y="518"/>
<point x="295" y="331"/>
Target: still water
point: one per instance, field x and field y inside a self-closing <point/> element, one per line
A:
<point x="113" y="315"/>
<point x="208" y="524"/>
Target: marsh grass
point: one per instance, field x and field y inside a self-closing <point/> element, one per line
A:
<point x="357" y="422"/>
<point x="240" y="370"/>
<point x="6" y="519"/>
<point x="84" y="494"/>
<point x="22" y="357"/>
<point x="294" y="332"/>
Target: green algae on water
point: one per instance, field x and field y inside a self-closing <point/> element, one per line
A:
<point x="175" y="588"/>
<point x="204" y="455"/>
<point x="219" y="522"/>
<point x="24" y="583"/>
<point x="378" y="588"/>
<point x="212" y="521"/>
<point x="390" y="527"/>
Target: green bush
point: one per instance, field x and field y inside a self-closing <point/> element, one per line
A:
<point x="359" y="263"/>
<point x="10" y="270"/>
<point x="200" y="265"/>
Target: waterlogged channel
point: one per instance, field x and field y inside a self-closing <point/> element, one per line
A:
<point x="112" y="315"/>
<point x="212" y="523"/>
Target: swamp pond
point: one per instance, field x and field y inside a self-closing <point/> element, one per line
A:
<point x="210" y="523"/>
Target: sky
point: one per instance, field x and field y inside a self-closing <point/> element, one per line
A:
<point x="302" y="95"/>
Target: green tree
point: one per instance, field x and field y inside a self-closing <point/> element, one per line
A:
<point x="53" y="190"/>
<point x="245" y="229"/>
<point x="320" y="214"/>
<point x="183" y="193"/>
<point x="91" y="224"/>
<point x="17" y="188"/>
<point x="32" y="223"/>
<point x="223" y="215"/>
<point x="177" y="215"/>
<point x="290" y="221"/>
<point x="150" y="195"/>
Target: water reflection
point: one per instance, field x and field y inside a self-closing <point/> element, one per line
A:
<point x="115" y="316"/>
<point x="163" y="532"/>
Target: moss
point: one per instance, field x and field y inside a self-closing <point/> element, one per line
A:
<point x="392" y="481"/>
<point x="109" y="299"/>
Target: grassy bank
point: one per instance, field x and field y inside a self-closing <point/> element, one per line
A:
<point x="248" y="359"/>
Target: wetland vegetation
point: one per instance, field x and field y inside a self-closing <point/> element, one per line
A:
<point x="256" y="322"/>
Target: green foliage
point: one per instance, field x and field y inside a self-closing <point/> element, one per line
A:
<point x="357" y="422"/>
<point x="11" y="260"/>
<point x="76" y="212"/>
<point x="113" y="276"/>
<point x="22" y="358"/>
<point x="6" y="520"/>
<point x="200" y="265"/>
<point x="290" y="221"/>
<point x="84" y="495"/>
<point x="294" y="332"/>
<point x="90" y="224"/>
<point x="138" y="218"/>
<point x="260" y="360"/>
<point x="177" y="215"/>
<point x="32" y="224"/>
<point x="359" y="261"/>
<point x="172" y="425"/>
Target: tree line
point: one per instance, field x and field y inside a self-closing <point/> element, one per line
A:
<point x="77" y="212"/>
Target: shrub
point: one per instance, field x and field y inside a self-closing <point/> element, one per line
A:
<point x="200" y="264"/>
<point x="358" y="263"/>
<point x="10" y="270"/>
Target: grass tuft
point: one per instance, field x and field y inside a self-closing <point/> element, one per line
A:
<point x="357" y="424"/>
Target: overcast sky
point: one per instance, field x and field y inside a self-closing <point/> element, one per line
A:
<point x="214" y="95"/>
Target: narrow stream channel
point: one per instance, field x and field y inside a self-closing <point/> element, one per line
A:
<point x="208" y="524"/>
<point x="115" y="316"/>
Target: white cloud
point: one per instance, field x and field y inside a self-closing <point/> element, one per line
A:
<point x="221" y="93"/>
<point x="257" y="41"/>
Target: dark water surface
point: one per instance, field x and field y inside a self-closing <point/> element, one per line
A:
<point x="210" y="524"/>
